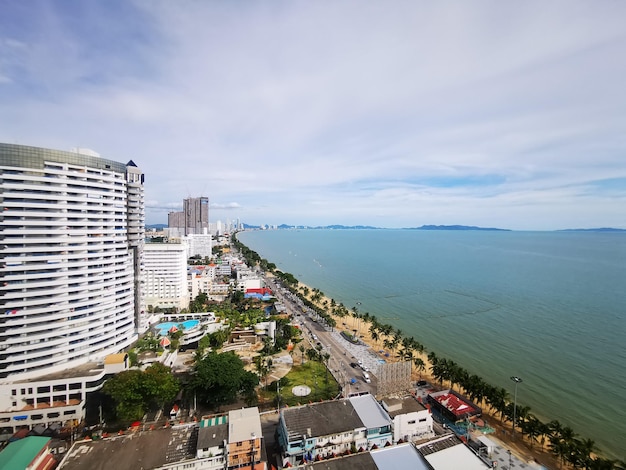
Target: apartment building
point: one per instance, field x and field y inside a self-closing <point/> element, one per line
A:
<point x="71" y="244"/>
<point x="165" y="267"/>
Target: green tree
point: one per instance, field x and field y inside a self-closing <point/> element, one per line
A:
<point x="159" y="384"/>
<point x="135" y="392"/>
<point x="126" y="391"/>
<point x="219" y="379"/>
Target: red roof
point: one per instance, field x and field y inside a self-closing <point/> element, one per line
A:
<point x="454" y="404"/>
<point x="262" y="291"/>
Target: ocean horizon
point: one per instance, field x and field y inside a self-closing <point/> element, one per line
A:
<point x="545" y="306"/>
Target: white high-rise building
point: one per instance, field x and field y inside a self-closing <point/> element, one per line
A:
<point x="71" y="241"/>
<point x="165" y="266"/>
<point x="199" y="245"/>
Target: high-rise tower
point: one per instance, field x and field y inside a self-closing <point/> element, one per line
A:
<point x="71" y="243"/>
<point x="196" y="213"/>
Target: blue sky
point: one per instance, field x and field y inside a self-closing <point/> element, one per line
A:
<point x="393" y="114"/>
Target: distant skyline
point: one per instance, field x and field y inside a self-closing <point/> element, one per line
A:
<point x="390" y="114"/>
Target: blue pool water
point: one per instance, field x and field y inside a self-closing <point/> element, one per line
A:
<point x="165" y="327"/>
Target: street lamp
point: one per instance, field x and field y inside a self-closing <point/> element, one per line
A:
<point x="517" y="380"/>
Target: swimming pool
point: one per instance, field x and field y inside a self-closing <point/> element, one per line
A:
<point x="164" y="328"/>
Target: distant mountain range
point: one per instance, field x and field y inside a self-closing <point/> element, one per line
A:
<point x="458" y="227"/>
<point x="423" y="227"/>
<point x="369" y="227"/>
<point x="600" y="229"/>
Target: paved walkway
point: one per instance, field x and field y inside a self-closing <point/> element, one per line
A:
<point x="508" y="460"/>
<point x="281" y="365"/>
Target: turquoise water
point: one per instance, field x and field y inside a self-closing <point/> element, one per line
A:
<point x="546" y="306"/>
<point x="164" y="328"/>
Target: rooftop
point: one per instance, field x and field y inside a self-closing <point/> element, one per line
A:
<point x="150" y="449"/>
<point x="212" y="436"/>
<point x="454" y="403"/>
<point x="370" y="411"/>
<point x="244" y="425"/>
<point x="401" y="406"/>
<point x="322" y="419"/>
<point x="451" y="458"/>
<point x="400" y="456"/>
<point x="85" y="370"/>
<point x="362" y="461"/>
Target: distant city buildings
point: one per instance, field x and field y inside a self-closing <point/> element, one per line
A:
<point x="71" y="256"/>
<point x="194" y="218"/>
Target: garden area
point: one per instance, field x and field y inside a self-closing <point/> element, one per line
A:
<point x="313" y="375"/>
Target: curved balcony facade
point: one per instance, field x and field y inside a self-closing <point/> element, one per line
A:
<point x="71" y="238"/>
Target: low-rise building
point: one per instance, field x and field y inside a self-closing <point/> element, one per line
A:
<point x="453" y="406"/>
<point x="411" y="420"/>
<point x="212" y="442"/>
<point x="450" y="453"/>
<point x="333" y="428"/>
<point x="375" y="419"/>
<point x="245" y="440"/>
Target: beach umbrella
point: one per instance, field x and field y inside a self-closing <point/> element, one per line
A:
<point x="165" y="342"/>
<point x="173" y="329"/>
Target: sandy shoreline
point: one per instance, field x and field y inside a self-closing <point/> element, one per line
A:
<point x="503" y="434"/>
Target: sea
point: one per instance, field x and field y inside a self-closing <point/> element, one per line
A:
<point x="548" y="307"/>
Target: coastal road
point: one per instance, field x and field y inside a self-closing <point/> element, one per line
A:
<point x="342" y="353"/>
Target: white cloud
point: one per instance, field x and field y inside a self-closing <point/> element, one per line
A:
<point x="499" y="114"/>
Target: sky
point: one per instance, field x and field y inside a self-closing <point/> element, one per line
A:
<point x="393" y="114"/>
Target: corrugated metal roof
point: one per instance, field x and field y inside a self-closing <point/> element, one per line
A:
<point x="400" y="456"/>
<point x="19" y="454"/>
<point x="370" y="411"/>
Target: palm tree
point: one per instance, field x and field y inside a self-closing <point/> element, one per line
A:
<point x="497" y="398"/>
<point x="419" y="365"/>
<point x="560" y="449"/>
<point x="355" y="315"/>
<point x="374" y="333"/>
<point x="532" y="428"/>
<point x="580" y="452"/>
<point x="386" y="329"/>
<point x="397" y="337"/>
<point x="301" y="348"/>
<point x="325" y="357"/>
<point x="406" y="354"/>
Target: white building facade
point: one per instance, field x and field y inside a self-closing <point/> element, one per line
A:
<point x="72" y="231"/>
<point x="199" y="245"/>
<point x="165" y="267"/>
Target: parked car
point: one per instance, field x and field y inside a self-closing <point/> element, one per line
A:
<point x="421" y="383"/>
<point x="354" y="364"/>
